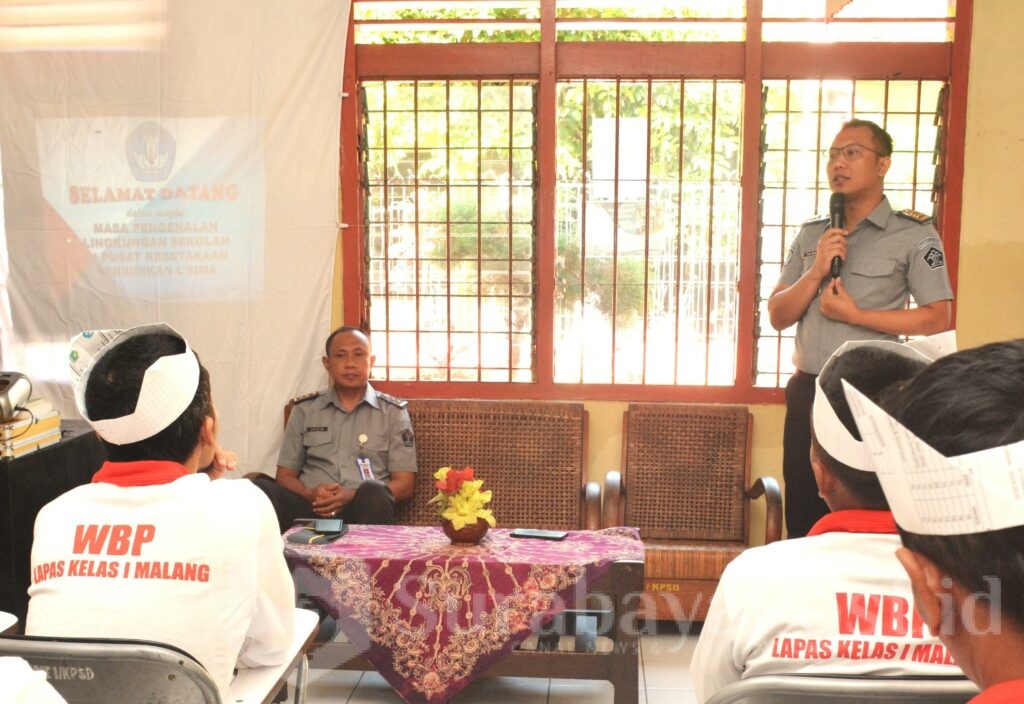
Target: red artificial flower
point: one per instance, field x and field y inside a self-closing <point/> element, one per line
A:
<point x="454" y="479"/>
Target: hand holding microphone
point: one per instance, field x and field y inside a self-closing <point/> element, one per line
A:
<point x="837" y="220"/>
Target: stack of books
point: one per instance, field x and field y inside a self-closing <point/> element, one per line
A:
<point x="34" y="426"/>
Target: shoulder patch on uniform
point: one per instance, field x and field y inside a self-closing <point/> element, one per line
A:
<point x="305" y="397"/>
<point x="915" y="216"/>
<point x="400" y="402"/>
<point x="816" y="218"/>
<point x="933" y="258"/>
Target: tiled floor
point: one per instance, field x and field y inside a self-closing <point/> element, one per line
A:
<point x="664" y="679"/>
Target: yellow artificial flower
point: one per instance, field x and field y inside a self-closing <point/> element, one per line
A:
<point x="461" y="497"/>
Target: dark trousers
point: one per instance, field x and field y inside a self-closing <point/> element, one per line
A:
<point x="373" y="504"/>
<point x="803" y="505"/>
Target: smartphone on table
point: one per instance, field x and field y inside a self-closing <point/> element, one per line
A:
<point x="328" y="525"/>
<point x="539" y="534"/>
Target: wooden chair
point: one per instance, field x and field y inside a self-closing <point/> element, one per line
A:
<point x="840" y="689"/>
<point x="119" y="671"/>
<point x="531" y="454"/>
<point x="685" y="483"/>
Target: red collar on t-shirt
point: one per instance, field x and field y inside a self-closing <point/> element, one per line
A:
<point x="144" y="473"/>
<point x="855" y="521"/>
<point x="1009" y="692"/>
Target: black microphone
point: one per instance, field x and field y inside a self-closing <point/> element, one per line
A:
<point x="837" y="219"/>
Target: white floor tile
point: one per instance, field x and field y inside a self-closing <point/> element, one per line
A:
<point x="664" y="679"/>
<point x="510" y="690"/>
<point x="670" y="696"/>
<point x="591" y="684"/>
<point x="659" y="675"/>
<point x="372" y="689"/>
<point x="669" y="648"/>
<point x="586" y="694"/>
<point x="328" y="685"/>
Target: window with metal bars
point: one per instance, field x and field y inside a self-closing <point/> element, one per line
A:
<point x="628" y="239"/>
<point x="801" y="117"/>
<point x="449" y="220"/>
<point x="647" y="223"/>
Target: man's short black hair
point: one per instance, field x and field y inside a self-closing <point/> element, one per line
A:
<point x="968" y="402"/>
<point x="883" y="140"/>
<point x="871" y="370"/>
<point x="338" y="331"/>
<point x="113" y="391"/>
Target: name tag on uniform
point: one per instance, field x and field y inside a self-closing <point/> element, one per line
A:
<point x="364" y="467"/>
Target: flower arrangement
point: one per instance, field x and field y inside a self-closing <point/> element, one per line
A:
<point x="460" y="497"/>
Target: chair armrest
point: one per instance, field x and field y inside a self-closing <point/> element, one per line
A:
<point x="769" y="488"/>
<point x="591" y="506"/>
<point x="255" y="685"/>
<point x="614" y="498"/>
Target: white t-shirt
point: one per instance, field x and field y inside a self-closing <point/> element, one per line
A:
<point x="181" y="560"/>
<point x="835" y="602"/>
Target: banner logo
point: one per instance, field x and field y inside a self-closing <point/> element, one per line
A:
<point x="150" y="151"/>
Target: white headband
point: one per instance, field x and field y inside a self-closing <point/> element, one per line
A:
<point x="930" y="494"/>
<point x="830" y="432"/>
<point x="168" y="386"/>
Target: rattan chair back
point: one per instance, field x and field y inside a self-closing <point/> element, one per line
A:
<point x="686" y="466"/>
<point x="531" y="454"/>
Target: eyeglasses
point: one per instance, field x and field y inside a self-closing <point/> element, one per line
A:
<point x="850" y="152"/>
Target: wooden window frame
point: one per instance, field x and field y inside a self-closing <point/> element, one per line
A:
<point x="752" y="61"/>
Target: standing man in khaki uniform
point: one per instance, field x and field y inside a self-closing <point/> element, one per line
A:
<point x="349" y="450"/>
<point x="887" y="257"/>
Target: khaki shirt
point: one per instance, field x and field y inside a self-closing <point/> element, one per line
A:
<point x="321" y="439"/>
<point x="890" y="257"/>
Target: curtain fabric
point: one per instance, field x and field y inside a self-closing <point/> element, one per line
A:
<point x="186" y="173"/>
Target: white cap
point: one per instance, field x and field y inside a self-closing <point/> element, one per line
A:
<point x="930" y="494"/>
<point x="168" y="386"/>
<point x="830" y="432"/>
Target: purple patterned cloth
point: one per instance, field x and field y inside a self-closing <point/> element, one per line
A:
<point x="432" y="616"/>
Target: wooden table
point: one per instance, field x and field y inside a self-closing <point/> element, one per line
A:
<point x="432" y="617"/>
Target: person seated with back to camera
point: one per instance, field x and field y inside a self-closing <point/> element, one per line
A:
<point x="349" y="450"/>
<point x="154" y="548"/>
<point x="955" y="439"/>
<point x="835" y="601"/>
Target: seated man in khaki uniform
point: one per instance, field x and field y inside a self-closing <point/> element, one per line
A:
<point x="349" y="450"/>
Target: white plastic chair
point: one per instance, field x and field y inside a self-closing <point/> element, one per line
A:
<point x="116" y="671"/>
<point x="841" y="689"/>
<point x="257" y="685"/>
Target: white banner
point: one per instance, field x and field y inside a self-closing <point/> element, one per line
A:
<point x="186" y="172"/>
